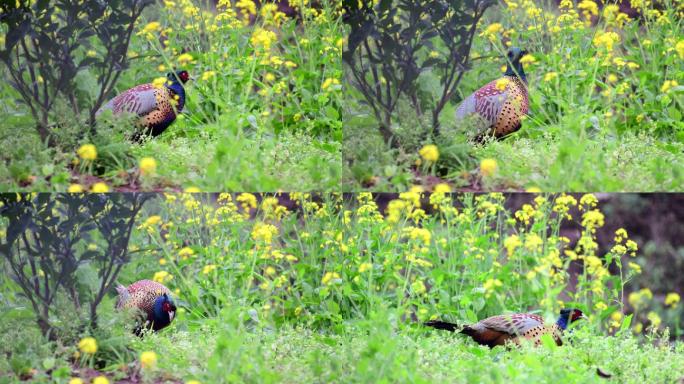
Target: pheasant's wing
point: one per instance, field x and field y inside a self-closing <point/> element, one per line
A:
<point x="513" y="324"/>
<point x="487" y="102"/>
<point x="140" y="100"/>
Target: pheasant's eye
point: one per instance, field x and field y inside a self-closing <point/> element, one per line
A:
<point x="166" y="307"/>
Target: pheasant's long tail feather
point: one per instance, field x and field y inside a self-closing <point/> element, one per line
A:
<point x="451" y="327"/>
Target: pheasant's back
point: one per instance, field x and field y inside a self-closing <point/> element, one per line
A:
<point x="141" y="295"/>
<point x="498" y="330"/>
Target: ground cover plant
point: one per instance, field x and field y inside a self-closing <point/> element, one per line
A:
<point x="262" y="109"/>
<point x="334" y="288"/>
<point x="605" y="100"/>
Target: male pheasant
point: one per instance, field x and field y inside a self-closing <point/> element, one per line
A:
<point x="498" y="330"/>
<point x="156" y="105"/>
<point x="151" y="300"/>
<point x="502" y="103"/>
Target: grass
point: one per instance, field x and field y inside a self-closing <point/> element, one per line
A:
<point x="361" y="351"/>
<point x="604" y="112"/>
<point x="262" y="112"/>
<point x="292" y="288"/>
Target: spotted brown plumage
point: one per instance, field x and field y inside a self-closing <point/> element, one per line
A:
<point x="512" y="328"/>
<point x="157" y="105"/>
<point x="501" y="104"/>
<point x="151" y="300"/>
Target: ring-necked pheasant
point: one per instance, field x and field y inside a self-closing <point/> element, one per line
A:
<point x="153" y="302"/>
<point x="502" y="103"/>
<point x="157" y="105"/>
<point x="501" y="329"/>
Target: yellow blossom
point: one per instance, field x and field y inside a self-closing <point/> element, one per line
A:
<point x="511" y="243"/>
<point x="99" y="188"/>
<point x="679" y="48"/>
<point x="654" y="318"/>
<point x="330" y="277"/>
<point x="162" y="277"/>
<point x="100" y="380"/>
<point x="667" y="85"/>
<point x="429" y="153"/>
<point x="159" y="82"/>
<point x="87" y="152"/>
<point x="148" y="360"/>
<point x="549" y="76"/>
<point x="185" y="59"/>
<point x="327" y="83"/>
<point x="441" y="188"/>
<point x="365" y="267"/>
<point x="75" y="188"/>
<point x="488" y="167"/>
<point x="148" y="166"/>
<point x="88" y="345"/>
<point x="152" y="27"/>
<point x="672" y="299"/>
<point x="208" y="75"/>
<point x="528" y="59"/>
<point x="502" y="83"/>
<point x="75" y="380"/>
<point x="186" y="252"/>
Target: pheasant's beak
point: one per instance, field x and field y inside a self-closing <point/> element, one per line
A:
<point x="171" y="315"/>
<point x="583" y="316"/>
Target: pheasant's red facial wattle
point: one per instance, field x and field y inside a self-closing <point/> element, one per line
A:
<point x="184" y="76"/>
<point x="166" y="307"/>
<point x="576" y="315"/>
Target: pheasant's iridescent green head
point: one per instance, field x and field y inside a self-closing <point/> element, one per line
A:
<point x="514" y="67"/>
<point x="164" y="310"/>
<point x="569" y="316"/>
<point x="183" y="76"/>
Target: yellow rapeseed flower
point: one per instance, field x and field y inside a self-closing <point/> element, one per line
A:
<point x="185" y="59"/>
<point x="101" y="380"/>
<point x="330" y="277"/>
<point x="88" y="345"/>
<point x="679" y="48"/>
<point x="365" y="267"/>
<point x="192" y="382"/>
<point x="442" y="188"/>
<point x="208" y="75"/>
<point x="429" y="153"/>
<point x="527" y="59"/>
<point x="148" y="360"/>
<point x="87" y="152"/>
<point x="99" y="188"/>
<point x="152" y="27"/>
<point x="488" y="167"/>
<point x="75" y="188"/>
<point x="667" y="85"/>
<point x="162" y="277"/>
<point x="550" y="76"/>
<point x="159" y="82"/>
<point x="672" y="299"/>
<point x="148" y="166"/>
<point x="76" y="380"/>
<point x="502" y="83"/>
<point x="329" y="82"/>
